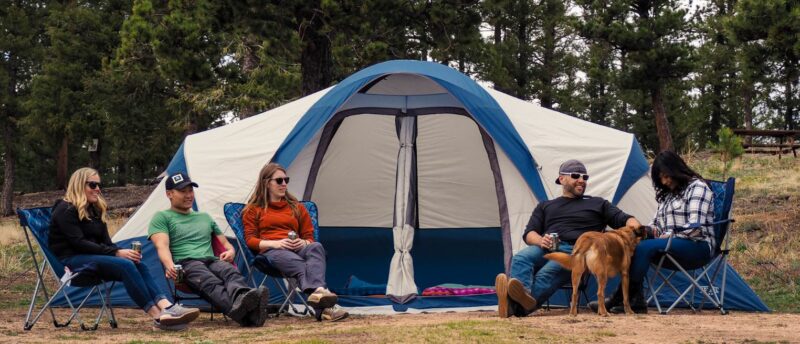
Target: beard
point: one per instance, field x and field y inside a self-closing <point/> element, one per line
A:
<point x="572" y="189"/>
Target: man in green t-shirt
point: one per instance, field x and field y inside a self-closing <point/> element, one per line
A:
<point x="183" y="236"/>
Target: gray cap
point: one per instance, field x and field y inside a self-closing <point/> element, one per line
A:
<point x="571" y="166"/>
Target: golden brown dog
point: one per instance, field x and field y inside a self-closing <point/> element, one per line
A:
<point x="605" y="255"/>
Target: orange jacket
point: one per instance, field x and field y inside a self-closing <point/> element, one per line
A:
<point x="274" y="223"/>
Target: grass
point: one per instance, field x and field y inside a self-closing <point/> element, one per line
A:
<point x="763" y="240"/>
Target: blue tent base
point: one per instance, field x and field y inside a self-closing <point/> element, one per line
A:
<point x="738" y="295"/>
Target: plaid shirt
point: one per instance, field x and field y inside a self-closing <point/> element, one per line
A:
<point x="689" y="215"/>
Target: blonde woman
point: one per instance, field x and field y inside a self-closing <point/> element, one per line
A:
<point x="270" y="215"/>
<point x="79" y="238"/>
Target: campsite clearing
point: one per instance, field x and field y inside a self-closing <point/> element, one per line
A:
<point x="473" y="327"/>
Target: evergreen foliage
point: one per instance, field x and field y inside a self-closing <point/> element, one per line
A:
<point x="118" y="84"/>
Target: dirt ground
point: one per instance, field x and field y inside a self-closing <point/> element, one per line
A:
<point x="478" y="327"/>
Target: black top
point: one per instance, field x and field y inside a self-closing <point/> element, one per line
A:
<point x="571" y="217"/>
<point x="70" y="236"/>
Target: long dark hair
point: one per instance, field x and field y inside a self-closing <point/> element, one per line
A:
<point x="670" y="164"/>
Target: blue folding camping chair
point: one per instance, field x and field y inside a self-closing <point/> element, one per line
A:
<point x="287" y="285"/>
<point x="37" y="222"/>
<point x="698" y="272"/>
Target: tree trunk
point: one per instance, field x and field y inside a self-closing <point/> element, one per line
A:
<point x="316" y="60"/>
<point x="62" y="164"/>
<point x="9" y="138"/>
<point x="791" y="72"/>
<point x="122" y="173"/>
<point x="747" y="103"/>
<point x="662" y="124"/>
<point x="249" y="63"/>
<point x="94" y="156"/>
<point x="548" y="65"/>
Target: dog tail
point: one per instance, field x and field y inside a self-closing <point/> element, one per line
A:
<point x="561" y="258"/>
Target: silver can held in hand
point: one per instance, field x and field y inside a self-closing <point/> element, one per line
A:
<point x="179" y="275"/>
<point x="292" y="235"/>
<point x="554" y="241"/>
<point x="137" y="246"/>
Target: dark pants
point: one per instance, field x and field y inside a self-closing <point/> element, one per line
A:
<point x="135" y="277"/>
<point x="218" y="282"/>
<point x="307" y="265"/>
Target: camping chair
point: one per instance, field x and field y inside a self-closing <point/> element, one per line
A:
<point x="37" y="222"/>
<point x="182" y="291"/>
<point x="567" y="288"/>
<point x="287" y="285"/>
<point x="697" y="272"/>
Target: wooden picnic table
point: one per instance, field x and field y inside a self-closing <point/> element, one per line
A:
<point x="785" y="138"/>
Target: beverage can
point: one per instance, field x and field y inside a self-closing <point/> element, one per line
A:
<point x="555" y="241"/>
<point x="292" y="235"/>
<point x="178" y="273"/>
<point x="137" y="246"/>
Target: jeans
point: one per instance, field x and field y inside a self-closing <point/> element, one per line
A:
<point x="541" y="276"/>
<point x="683" y="250"/>
<point x="136" y="278"/>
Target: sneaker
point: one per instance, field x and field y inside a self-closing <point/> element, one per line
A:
<point x="334" y="313"/>
<point x="244" y="303"/>
<point x="322" y="298"/>
<point x="158" y="325"/>
<point x="501" y="288"/>
<point x="518" y="294"/>
<point x="177" y="314"/>
<point x="258" y="316"/>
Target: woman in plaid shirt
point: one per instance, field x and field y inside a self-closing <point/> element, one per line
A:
<point x="685" y="212"/>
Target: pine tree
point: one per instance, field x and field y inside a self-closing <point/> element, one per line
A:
<point x="21" y="33"/>
<point x="773" y="27"/>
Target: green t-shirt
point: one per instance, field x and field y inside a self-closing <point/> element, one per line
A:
<point x="189" y="234"/>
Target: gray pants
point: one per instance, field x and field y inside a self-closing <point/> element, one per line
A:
<point x="307" y="265"/>
<point x="216" y="281"/>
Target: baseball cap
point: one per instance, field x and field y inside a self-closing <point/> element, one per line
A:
<point x="179" y="181"/>
<point x="571" y="166"/>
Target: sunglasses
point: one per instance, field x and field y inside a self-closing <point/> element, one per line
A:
<point x="94" y="185"/>
<point x="576" y="175"/>
<point x="280" y="181"/>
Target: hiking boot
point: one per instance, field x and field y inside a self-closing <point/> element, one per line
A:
<point x="613" y="301"/>
<point x="177" y="314"/>
<point x="158" y="325"/>
<point x="258" y="316"/>
<point x="242" y="305"/>
<point x="520" y="295"/>
<point x="501" y="288"/>
<point x="334" y="313"/>
<point x="636" y="298"/>
<point x="322" y="298"/>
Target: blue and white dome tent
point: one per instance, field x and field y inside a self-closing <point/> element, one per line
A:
<point x="421" y="175"/>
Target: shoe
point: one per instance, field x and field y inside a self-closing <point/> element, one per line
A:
<point x="322" y="298"/>
<point x="244" y="303"/>
<point x="258" y="316"/>
<point x="518" y="294"/>
<point x="334" y="313"/>
<point x="158" y="325"/>
<point x="177" y="314"/>
<point x="501" y="288"/>
<point x="613" y="301"/>
<point x="636" y="298"/>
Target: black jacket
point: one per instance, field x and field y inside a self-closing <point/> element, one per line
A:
<point x="70" y="236"/>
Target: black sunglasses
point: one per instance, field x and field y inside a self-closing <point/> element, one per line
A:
<point x="280" y="181"/>
<point x="94" y="185"/>
<point x="576" y="175"/>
